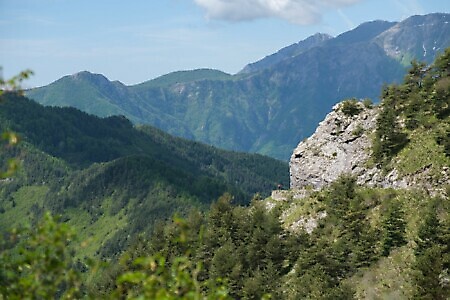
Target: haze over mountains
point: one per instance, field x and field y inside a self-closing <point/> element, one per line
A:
<point x="271" y="104"/>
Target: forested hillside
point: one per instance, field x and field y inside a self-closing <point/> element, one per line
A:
<point x="111" y="180"/>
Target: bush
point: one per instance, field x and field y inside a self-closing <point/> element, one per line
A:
<point x="350" y="107"/>
<point x="37" y="264"/>
<point x="367" y="103"/>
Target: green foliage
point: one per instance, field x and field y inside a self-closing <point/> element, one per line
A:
<point x="11" y="163"/>
<point x="368" y="103"/>
<point x="37" y="263"/>
<point x="350" y="107"/>
<point x="253" y="237"/>
<point x="418" y="107"/>
<point x="358" y="131"/>
<point x="154" y="279"/>
<point x="111" y="180"/>
<point x="389" y="137"/>
<point x="11" y="85"/>
<point x="81" y="140"/>
<point x="394" y="226"/>
<point x="169" y="275"/>
<point x="433" y="255"/>
<point x="244" y="252"/>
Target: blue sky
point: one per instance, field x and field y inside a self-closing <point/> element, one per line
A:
<point x="137" y="40"/>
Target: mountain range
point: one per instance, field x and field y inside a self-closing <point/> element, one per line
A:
<point x="271" y="104"/>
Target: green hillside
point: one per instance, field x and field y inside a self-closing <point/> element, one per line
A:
<point x="111" y="180"/>
<point x="183" y="77"/>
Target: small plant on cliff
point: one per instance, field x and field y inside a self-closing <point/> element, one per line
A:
<point x="367" y="103"/>
<point x="359" y="130"/>
<point x="350" y="107"/>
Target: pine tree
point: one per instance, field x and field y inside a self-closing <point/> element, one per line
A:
<point x="389" y="138"/>
<point x="432" y="257"/>
<point x="394" y="228"/>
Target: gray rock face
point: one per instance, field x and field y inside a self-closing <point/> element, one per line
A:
<point x="341" y="144"/>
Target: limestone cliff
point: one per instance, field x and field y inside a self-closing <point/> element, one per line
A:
<point x="342" y="144"/>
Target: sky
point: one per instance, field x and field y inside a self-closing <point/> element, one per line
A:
<point x="137" y="40"/>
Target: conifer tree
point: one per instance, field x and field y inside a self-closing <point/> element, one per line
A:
<point x="394" y="227"/>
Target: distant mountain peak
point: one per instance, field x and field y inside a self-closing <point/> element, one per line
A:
<point x="416" y="37"/>
<point x="364" y="32"/>
<point x="86" y="75"/>
<point x="184" y="77"/>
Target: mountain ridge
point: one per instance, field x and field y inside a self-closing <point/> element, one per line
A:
<point x="286" y="52"/>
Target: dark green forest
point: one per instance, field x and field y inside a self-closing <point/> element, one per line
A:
<point x="100" y="173"/>
<point x="117" y="235"/>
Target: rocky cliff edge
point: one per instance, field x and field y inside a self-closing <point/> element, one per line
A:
<point x="341" y="145"/>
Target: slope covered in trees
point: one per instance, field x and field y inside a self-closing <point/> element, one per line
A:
<point x="111" y="180"/>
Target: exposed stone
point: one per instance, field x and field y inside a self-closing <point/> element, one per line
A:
<point x="308" y="224"/>
<point x="341" y="144"/>
<point x="286" y="195"/>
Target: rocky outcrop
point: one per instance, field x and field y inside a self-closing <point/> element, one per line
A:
<point x="341" y="144"/>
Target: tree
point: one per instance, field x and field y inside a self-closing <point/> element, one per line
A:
<point x="38" y="264"/>
<point x="432" y="257"/>
<point x="11" y="138"/>
<point x="394" y="228"/>
<point x="350" y="107"/>
<point x="389" y="138"/>
<point x="167" y="276"/>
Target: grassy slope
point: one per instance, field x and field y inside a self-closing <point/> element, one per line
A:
<point x="183" y="77"/>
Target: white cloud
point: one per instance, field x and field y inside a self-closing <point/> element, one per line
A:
<point x="302" y="12"/>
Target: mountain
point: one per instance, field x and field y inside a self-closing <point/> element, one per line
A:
<point x="280" y="102"/>
<point x="416" y="38"/>
<point x="110" y="179"/>
<point x="367" y="215"/>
